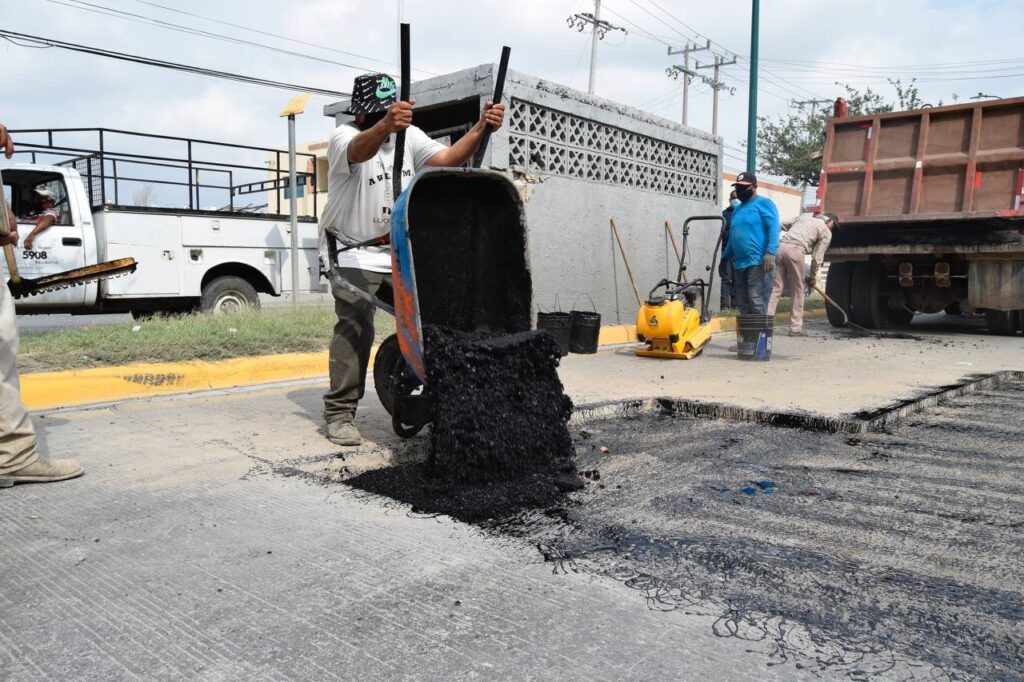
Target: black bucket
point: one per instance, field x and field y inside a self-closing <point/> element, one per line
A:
<point x="586" y="328"/>
<point x="559" y="325"/>
<point x="754" y="337"/>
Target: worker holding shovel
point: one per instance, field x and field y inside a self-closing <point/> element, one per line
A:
<point x="359" y="206"/>
<point x="19" y="456"/>
<point x="800" y="236"/>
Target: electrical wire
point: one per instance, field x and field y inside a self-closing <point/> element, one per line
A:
<point x="272" y="35"/>
<point x="185" y="68"/>
<point x="138" y="18"/>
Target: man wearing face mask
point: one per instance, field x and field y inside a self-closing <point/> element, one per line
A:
<point x="359" y="204"/>
<point x="753" y="241"/>
<point x="725" y="270"/>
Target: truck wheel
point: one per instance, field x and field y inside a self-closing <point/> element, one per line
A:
<point x="1002" y="322"/>
<point x="837" y="286"/>
<point x="227" y="295"/>
<point x="866" y="296"/>
<point x="901" y="317"/>
<point x="953" y="308"/>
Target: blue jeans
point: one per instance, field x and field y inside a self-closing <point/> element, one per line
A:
<point x="752" y="288"/>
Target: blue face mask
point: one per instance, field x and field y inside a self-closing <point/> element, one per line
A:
<point x="735" y="202"/>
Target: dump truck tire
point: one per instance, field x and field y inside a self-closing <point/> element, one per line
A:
<point x="837" y="286"/>
<point x="901" y="317"/>
<point x="1002" y="322"/>
<point x="866" y="296"/>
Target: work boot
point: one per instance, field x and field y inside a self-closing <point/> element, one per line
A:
<point x="343" y="432"/>
<point x="43" y="471"/>
<point x="797" y="332"/>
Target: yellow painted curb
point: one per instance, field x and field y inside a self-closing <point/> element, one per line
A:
<point x="47" y="390"/>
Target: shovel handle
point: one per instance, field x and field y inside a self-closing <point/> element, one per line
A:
<point x="5" y="230"/>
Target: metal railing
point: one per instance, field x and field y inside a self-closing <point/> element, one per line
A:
<point x="103" y="165"/>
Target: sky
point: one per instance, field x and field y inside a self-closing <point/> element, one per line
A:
<point x="806" y="46"/>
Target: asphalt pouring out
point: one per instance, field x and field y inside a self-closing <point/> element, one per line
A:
<point x="500" y="411"/>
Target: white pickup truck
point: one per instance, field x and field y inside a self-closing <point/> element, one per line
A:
<point x="188" y="259"/>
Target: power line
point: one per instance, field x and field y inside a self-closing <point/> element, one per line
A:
<point x="271" y="35"/>
<point x="769" y="76"/>
<point x="148" y="61"/>
<point x="138" y="18"/>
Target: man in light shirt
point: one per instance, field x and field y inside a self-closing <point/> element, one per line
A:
<point x="48" y="215"/>
<point x="800" y="236"/>
<point x="20" y="461"/>
<point x="359" y="205"/>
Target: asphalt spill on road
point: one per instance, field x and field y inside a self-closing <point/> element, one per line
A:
<point x="880" y="555"/>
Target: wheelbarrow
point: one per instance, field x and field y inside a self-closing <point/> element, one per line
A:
<point x="459" y="260"/>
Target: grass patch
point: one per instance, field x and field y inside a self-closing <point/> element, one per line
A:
<point x="185" y="337"/>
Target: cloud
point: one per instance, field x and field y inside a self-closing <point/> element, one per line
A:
<point x="61" y="89"/>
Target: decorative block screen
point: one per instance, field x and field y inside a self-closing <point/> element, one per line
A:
<point x="548" y="141"/>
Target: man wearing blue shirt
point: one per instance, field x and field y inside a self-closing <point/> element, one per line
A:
<point x="753" y="240"/>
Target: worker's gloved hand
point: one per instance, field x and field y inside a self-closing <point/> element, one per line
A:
<point x="768" y="262"/>
<point x="812" y="280"/>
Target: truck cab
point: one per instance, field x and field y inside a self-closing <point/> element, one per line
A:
<point x="196" y="247"/>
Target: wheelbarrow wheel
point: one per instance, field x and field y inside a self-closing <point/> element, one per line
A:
<point x="385" y="366"/>
<point x="399" y="391"/>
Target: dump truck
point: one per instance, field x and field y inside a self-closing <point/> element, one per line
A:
<point x="930" y="205"/>
<point x="178" y="206"/>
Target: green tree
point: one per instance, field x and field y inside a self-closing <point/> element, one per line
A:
<point x="790" y="145"/>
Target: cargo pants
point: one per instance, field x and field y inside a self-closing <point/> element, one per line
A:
<point x="352" y="341"/>
<point x="789" y="269"/>
<point x="17" y="436"/>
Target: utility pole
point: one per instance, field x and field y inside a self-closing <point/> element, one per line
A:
<point x="755" y="27"/>
<point x="684" y="69"/>
<point x="598" y="29"/>
<point x="716" y="85"/>
<point x="812" y="103"/>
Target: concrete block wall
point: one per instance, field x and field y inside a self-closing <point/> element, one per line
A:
<point x="580" y="161"/>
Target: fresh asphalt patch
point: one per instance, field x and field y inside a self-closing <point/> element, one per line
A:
<point x="892" y="554"/>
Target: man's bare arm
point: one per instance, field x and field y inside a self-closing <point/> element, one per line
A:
<point x="460" y="152"/>
<point x="366" y="144"/>
<point x="43" y="223"/>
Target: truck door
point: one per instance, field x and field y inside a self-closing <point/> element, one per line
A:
<point x="60" y="247"/>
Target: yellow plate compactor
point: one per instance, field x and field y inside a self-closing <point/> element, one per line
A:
<point x="669" y="324"/>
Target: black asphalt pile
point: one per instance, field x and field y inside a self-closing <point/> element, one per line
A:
<point x="500" y="411"/>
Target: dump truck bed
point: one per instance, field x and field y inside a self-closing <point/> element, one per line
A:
<point x="963" y="162"/>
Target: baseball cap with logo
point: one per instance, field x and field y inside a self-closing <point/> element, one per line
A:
<point x="372" y="93"/>
<point x="745" y="178"/>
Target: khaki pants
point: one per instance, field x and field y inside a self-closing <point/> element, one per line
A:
<point x="789" y="269"/>
<point x="17" y="437"/>
<point x="352" y="342"/>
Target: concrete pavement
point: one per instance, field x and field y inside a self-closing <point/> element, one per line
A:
<point x="213" y="536"/>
